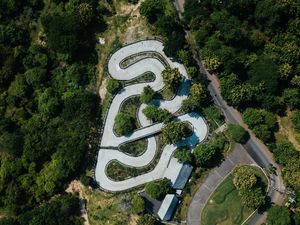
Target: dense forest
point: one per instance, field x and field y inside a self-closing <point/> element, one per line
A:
<point x="253" y="47"/>
<point x="47" y="60"/>
<point x="161" y="14"/>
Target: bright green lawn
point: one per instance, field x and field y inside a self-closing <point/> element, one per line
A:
<point x="224" y="206"/>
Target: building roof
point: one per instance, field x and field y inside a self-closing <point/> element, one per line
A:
<point x="168" y="207"/>
<point x="183" y="176"/>
<point x="178" y="173"/>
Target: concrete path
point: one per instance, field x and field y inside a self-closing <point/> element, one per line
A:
<point x="238" y="157"/>
<point x="109" y="138"/>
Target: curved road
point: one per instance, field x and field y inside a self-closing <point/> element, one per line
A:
<point x="167" y="166"/>
<point x="255" y="148"/>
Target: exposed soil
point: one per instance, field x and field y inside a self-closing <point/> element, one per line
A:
<point x="102" y="89"/>
<point x="133" y="29"/>
<point x="133" y="220"/>
<point x="76" y="186"/>
<point x="286" y="129"/>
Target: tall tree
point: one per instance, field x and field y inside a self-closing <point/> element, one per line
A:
<point x="279" y="215"/>
<point x="174" y="132"/>
<point x="171" y="77"/>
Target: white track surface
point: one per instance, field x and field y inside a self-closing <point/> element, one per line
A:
<point x="106" y="154"/>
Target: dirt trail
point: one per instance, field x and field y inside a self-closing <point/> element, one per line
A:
<point x="134" y="28"/>
<point x="76" y="186"/>
<point x="102" y="89"/>
<point x="286" y="129"/>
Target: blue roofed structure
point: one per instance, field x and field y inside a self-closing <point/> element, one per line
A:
<point x="168" y="207"/>
<point x="183" y="176"/>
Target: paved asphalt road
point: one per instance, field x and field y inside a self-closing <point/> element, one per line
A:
<point x="238" y="157"/>
<point x="255" y="148"/>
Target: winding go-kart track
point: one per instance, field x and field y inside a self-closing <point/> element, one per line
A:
<point x="109" y="143"/>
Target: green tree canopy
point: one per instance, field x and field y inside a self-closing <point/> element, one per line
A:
<point x="263" y="132"/>
<point x="237" y="93"/>
<point x="174" y="132"/>
<point x="11" y="142"/>
<point x="156" y="114"/>
<point x="197" y="98"/>
<point x="291" y="97"/>
<point x="279" y="215"/>
<point x="138" y="204"/>
<point x="158" y="189"/>
<point x="113" y="86"/>
<point x="184" y="155"/>
<point x="284" y="151"/>
<point x="237" y="133"/>
<point x="252" y="198"/>
<point x="244" y="178"/>
<point x="171" y="77"/>
<point x="266" y="71"/>
<point x="151" y="9"/>
<point x="147" y="94"/>
<point x="291" y="173"/>
<point x="261" y="121"/>
<point x="205" y="153"/>
<point x="124" y="124"/>
<point x="47" y="110"/>
<point x="64" y="33"/>
<point x="61" y="210"/>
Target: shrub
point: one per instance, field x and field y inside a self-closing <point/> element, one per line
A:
<point x="85" y="180"/>
<point x="138" y="204"/>
<point x="146" y="219"/>
<point x="296" y="120"/>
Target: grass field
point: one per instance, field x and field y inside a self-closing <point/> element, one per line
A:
<point x="224" y="206"/>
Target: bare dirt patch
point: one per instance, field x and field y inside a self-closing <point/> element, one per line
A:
<point x="102" y="89"/>
<point x="76" y="186"/>
<point x="133" y="219"/>
<point x="121" y="29"/>
<point x="286" y="129"/>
